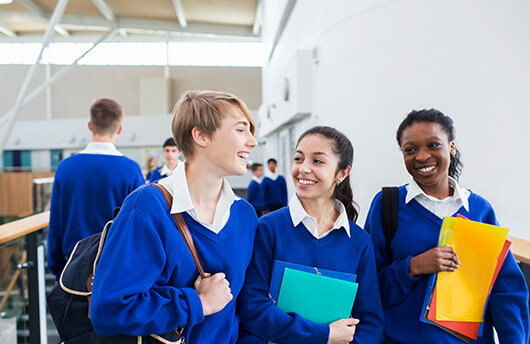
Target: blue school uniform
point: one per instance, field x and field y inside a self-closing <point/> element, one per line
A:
<point x="144" y="283"/>
<point x="255" y="195"/>
<point x="279" y="239"/>
<point x="86" y="190"/>
<point x="275" y="192"/>
<point x="402" y="295"/>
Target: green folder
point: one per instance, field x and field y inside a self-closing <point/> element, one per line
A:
<point x="317" y="298"/>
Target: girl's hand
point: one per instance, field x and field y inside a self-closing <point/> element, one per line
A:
<point x="214" y="292"/>
<point x="435" y="260"/>
<point x="342" y="331"/>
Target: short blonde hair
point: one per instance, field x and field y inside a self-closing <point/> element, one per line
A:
<point x="204" y="110"/>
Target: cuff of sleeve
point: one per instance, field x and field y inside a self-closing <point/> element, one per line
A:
<point x="196" y="312"/>
<point x="322" y="333"/>
<point x="403" y="272"/>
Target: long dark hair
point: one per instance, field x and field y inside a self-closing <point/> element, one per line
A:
<point x="343" y="148"/>
<point x="435" y="116"/>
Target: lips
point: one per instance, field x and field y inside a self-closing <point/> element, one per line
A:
<point x="243" y="155"/>
<point x="306" y="182"/>
<point x="426" y="169"/>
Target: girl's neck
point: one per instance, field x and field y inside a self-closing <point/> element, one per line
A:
<point x="439" y="191"/>
<point x="205" y="190"/>
<point x="322" y="211"/>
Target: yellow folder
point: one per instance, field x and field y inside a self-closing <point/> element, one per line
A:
<point x="462" y="294"/>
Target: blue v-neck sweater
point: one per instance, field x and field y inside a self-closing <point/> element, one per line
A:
<point x="278" y="239"/>
<point x="144" y="280"/>
<point x="417" y="231"/>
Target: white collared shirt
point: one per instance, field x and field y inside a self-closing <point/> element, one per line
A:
<point x="165" y="171"/>
<point x="105" y="148"/>
<point x="298" y="214"/>
<point x="177" y="184"/>
<point x="271" y="175"/>
<point x="439" y="207"/>
<point x="257" y="180"/>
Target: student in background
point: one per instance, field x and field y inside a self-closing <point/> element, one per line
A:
<point x="89" y="185"/>
<point x="171" y="157"/>
<point x="317" y="229"/>
<point x="274" y="187"/>
<point x="426" y="139"/>
<point x="146" y="281"/>
<point x="255" y="194"/>
<point x="152" y="164"/>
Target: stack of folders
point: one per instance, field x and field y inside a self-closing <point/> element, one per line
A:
<point x="319" y="295"/>
<point x="456" y="301"/>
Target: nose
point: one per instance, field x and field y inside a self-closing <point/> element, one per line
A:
<point x="305" y="167"/>
<point x="423" y="155"/>
<point x="252" y="142"/>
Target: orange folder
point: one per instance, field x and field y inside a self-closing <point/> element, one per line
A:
<point x="465" y="330"/>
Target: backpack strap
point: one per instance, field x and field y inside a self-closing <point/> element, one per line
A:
<point x="389" y="216"/>
<point x="184" y="230"/>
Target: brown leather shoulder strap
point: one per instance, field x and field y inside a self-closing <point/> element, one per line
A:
<point x="183" y="229"/>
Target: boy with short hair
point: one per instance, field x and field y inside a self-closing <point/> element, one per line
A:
<point x="171" y="157"/>
<point x="255" y="194"/>
<point x="89" y="185"/>
<point x="146" y="281"/>
<point x="274" y="187"/>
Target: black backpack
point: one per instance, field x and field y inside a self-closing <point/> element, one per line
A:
<point x="389" y="216"/>
<point x="69" y="299"/>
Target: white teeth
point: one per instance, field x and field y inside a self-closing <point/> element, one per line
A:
<point x="306" y="182"/>
<point x="243" y="155"/>
<point x="426" y="169"/>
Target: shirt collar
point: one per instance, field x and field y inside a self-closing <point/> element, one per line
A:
<point x="298" y="214"/>
<point x="177" y="184"/>
<point x="256" y="179"/>
<point x="105" y="148"/>
<point x="414" y="190"/>
<point x="271" y="175"/>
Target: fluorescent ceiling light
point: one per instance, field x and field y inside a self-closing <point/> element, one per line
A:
<point x="3" y="2"/>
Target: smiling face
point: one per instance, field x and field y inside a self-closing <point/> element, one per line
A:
<point x="229" y="147"/>
<point x="314" y="170"/>
<point x="427" y="155"/>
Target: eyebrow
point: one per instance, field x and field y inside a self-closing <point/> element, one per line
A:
<point x="314" y="153"/>
<point x="243" y="122"/>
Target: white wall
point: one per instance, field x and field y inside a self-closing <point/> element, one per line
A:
<point x="377" y="60"/>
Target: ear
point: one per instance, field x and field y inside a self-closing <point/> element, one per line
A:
<point x="199" y="137"/>
<point x="120" y="128"/>
<point x="89" y="126"/>
<point x="452" y="148"/>
<point x="343" y="174"/>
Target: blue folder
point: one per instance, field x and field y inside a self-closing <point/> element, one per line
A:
<point x="279" y="268"/>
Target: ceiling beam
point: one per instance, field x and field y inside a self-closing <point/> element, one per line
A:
<point x="201" y="31"/>
<point x="257" y="18"/>
<point x="7" y="32"/>
<point x="61" y="31"/>
<point x="107" y="12"/>
<point x="180" y="13"/>
<point x="34" y="8"/>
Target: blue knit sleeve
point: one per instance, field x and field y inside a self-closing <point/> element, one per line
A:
<point x="259" y="315"/>
<point x="130" y="293"/>
<point x="284" y="192"/>
<point x="252" y="192"/>
<point x="367" y="307"/>
<point x="395" y="280"/>
<point x="56" y="256"/>
<point x="508" y="301"/>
